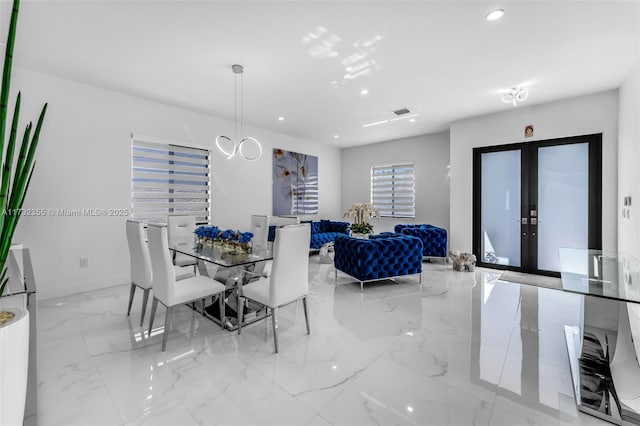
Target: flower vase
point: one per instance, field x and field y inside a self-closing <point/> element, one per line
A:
<point x="361" y="236"/>
<point x="231" y="247"/>
<point x="14" y="358"/>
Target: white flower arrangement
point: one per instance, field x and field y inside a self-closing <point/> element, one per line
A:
<point x="360" y="214"/>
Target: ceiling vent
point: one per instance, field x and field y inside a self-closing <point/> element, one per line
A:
<point x="401" y="111"/>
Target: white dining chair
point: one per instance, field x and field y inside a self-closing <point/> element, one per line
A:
<point x="141" y="273"/>
<point x="289" y="279"/>
<point x="260" y="230"/>
<point x="180" y="229"/>
<point x="165" y="289"/>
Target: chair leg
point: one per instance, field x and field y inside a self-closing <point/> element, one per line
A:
<point x="222" y="307"/>
<point x="167" y="325"/>
<point x="306" y="314"/>
<point x="145" y="298"/>
<point x="240" y="313"/>
<point x="154" y="306"/>
<point x="204" y="303"/>
<point x="131" y="293"/>
<point x="361" y="287"/>
<point x="274" y="314"/>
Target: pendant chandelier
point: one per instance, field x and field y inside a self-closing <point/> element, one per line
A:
<point x="238" y="145"/>
<point x="515" y="95"/>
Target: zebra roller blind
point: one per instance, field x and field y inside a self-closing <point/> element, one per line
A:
<point x="393" y="190"/>
<point x="169" y="179"/>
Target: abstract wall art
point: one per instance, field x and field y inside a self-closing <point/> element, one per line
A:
<point x="295" y="183"/>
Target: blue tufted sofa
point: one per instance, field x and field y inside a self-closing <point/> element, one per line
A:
<point x="434" y="239"/>
<point x="322" y="232"/>
<point x="381" y="256"/>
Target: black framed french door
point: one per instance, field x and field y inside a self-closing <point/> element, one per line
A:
<point x="531" y="199"/>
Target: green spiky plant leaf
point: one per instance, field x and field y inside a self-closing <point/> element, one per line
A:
<point x="15" y="178"/>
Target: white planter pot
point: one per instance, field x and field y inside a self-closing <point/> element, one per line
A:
<point x="14" y="358"/>
<point x="358" y="235"/>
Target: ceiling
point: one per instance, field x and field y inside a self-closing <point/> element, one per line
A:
<point x="308" y="61"/>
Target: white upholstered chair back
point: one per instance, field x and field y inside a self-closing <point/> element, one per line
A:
<point x="139" y="255"/>
<point x="260" y="230"/>
<point x="290" y="271"/>
<point x="279" y="221"/>
<point x="163" y="273"/>
<point x="180" y="229"/>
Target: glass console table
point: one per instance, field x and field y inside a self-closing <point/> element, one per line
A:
<point x="604" y="347"/>
<point x="226" y="266"/>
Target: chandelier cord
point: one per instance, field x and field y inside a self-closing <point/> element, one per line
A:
<point x="235" y="104"/>
<point x="241" y="141"/>
<point x="242" y="104"/>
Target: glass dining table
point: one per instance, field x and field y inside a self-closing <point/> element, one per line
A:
<point x="604" y="348"/>
<point x="228" y="266"/>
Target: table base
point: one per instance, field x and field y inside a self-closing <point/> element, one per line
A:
<point x="592" y="357"/>
<point x="231" y="315"/>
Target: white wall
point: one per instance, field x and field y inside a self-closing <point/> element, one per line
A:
<point x="84" y="161"/>
<point x="597" y="113"/>
<point x="628" y="161"/>
<point x="431" y="156"/>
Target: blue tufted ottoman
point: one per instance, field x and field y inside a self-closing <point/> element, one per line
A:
<point x="434" y="239"/>
<point x="379" y="257"/>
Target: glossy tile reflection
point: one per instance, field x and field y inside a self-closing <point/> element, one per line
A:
<point x="460" y="349"/>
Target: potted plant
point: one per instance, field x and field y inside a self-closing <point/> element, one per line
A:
<point x="360" y="215"/>
<point x="15" y="177"/>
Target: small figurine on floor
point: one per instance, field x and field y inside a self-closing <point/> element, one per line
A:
<point x="462" y="261"/>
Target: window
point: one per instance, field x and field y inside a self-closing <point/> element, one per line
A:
<point x="393" y="190"/>
<point x="168" y="179"/>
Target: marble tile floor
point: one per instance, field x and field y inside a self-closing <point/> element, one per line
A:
<point x="460" y="349"/>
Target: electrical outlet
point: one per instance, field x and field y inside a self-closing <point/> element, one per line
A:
<point x="84" y="262"/>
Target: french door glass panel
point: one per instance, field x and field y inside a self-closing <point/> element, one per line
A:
<point x="563" y="201"/>
<point x="501" y="195"/>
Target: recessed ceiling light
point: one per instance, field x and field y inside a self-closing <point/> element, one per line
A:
<point x="336" y="136"/>
<point x="364" y="92"/>
<point x="494" y="15"/>
<point x="281" y="118"/>
<point x="412" y="120"/>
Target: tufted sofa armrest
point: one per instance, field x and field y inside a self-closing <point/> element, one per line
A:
<point x="334" y="226"/>
<point x="385" y="235"/>
<point x="322" y="232"/>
